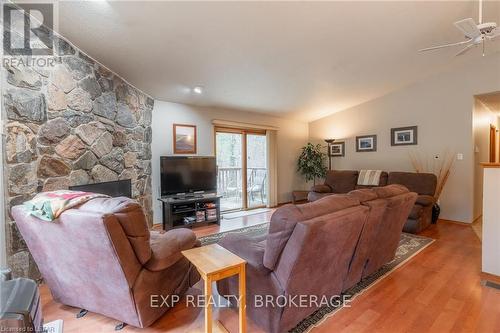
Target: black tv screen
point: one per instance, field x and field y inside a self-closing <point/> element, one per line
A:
<point x="180" y="174"/>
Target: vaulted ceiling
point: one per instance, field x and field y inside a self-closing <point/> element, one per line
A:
<point x="299" y="59"/>
<point x="491" y="101"/>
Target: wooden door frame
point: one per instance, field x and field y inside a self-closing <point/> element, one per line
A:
<point x="493" y="144"/>
<point x="244" y="157"/>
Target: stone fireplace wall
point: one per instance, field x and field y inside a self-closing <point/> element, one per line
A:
<point x="72" y="123"/>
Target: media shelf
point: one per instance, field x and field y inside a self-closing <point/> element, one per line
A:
<point x="190" y="212"/>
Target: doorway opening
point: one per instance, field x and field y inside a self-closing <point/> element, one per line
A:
<point x="486" y="122"/>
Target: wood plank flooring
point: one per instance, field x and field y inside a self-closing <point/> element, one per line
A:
<point x="439" y="290"/>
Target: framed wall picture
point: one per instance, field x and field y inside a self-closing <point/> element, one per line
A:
<point x="184" y="139"/>
<point x="404" y="136"/>
<point x="366" y="143"/>
<point x="337" y="149"/>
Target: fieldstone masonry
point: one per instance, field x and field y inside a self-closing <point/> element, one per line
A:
<point x="71" y="124"/>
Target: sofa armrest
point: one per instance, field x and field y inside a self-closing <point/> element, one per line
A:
<point x="323" y="188"/>
<point x="166" y="247"/>
<point x="425" y="200"/>
<point x="247" y="248"/>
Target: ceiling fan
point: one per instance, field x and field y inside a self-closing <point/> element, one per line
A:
<point x="475" y="34"/>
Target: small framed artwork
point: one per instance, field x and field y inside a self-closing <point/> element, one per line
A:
<point x="184" y="139"/>
<point x="404" y="136"/>
<point x="366" y="143"/>
<point x="337" y="149"/>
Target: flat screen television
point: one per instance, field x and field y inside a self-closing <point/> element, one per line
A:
<point x="187" y="174"/>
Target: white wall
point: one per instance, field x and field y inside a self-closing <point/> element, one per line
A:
<point x="292" y="135"/>
<point x="441" y="106"/>
<point x="483" y="118"/>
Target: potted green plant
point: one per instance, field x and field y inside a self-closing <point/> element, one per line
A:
<point x="311" y="163"/>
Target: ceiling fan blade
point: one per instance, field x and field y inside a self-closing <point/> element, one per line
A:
<point x="445" y="45"/>
<point x="468" y="27"/>
<point x="465" y="49"/>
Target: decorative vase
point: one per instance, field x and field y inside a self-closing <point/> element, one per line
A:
<point x="435" y="213"/>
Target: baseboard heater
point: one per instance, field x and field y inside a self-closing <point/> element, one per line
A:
<point x="490" y="284"/>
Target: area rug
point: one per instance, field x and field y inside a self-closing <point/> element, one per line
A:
<point x="252" y="231"/>
<point x="409" y="246"/>
<point x="241" y="213"/>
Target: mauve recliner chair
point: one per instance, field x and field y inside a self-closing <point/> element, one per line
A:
<point x="102" y="257"/>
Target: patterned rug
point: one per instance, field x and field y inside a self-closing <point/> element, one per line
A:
<point x="409" y="246"/>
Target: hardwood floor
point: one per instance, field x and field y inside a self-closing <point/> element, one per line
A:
<point x="438" y="290"/>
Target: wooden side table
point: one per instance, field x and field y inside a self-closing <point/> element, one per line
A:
<point x="299" y="196"/>
<point x="214" y="263"/>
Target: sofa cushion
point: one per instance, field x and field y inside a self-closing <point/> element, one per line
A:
<point x="390" y="190"/>
<point x="342" y="181"/>
<point x="285" y="218"/>
<point x="420" y="183"/>
<point x="425" y="200"/>
<point x="322" y="188"/>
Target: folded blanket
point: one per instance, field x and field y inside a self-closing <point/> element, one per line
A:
<point x="369" y="177"/>
<point x="48" y="206"/>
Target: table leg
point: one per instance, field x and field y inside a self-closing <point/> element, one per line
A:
<point x="208" y="307"/>
<point x="243" y="302"/>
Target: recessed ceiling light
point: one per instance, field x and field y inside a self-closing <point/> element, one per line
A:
<point x="198" y="90"/>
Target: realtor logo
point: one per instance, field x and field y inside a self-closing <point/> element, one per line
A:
<point x="28" y="29"/>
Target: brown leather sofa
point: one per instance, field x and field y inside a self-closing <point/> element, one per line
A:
<point x="320" y="248"/>
<point x="424" y="184"/>
<point x="101" y="257"/>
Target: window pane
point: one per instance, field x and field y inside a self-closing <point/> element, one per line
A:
<point x="256" y="170"/>
<point x="229" y="178"/>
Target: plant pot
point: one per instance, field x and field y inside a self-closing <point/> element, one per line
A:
<point x="436" y="210"/>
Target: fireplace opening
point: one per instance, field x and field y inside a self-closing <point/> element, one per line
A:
<point x="119" y="188"/>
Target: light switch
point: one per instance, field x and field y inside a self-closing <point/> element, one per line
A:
<point x="460" y="156"/>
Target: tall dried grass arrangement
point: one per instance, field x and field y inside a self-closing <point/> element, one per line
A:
<point x="440" y="165"/>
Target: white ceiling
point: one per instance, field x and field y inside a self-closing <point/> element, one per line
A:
<point x="299" y="59"/>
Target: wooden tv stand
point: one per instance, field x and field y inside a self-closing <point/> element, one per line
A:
<point x="177" y="209"/>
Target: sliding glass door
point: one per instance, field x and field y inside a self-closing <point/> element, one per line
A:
<point x="256" y="170"/>
<point x="229" y="169"/>
<point x="242" y="168"/>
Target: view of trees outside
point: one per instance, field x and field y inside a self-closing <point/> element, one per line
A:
<point x="256" y="170"/>
<point x="228" y="150"/>
<point x="229" y="163"/>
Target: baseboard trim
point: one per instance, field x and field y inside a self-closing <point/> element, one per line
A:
<point x="490" y="277"/>
<point x="455" y="222"/>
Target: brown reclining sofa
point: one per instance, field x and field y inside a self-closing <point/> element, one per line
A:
<point x="320" y="248"/>
<point x="424" y="184"/>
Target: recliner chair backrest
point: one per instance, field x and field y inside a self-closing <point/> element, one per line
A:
<point x="87" y="255"/>
<point x="399" y="204"/>
<point x="316" y="258"/>
<point x="368" y="237"/>
<point x="285" y="218"/>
